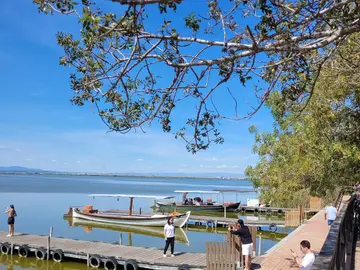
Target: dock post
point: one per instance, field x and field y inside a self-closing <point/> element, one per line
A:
<point x="88" y="259"/>
<point x="224" y="211"/>
<point x="140" y="211"/>
<point x="259" y="252"/>
<point x="12" y="249"/>
<point x="120" y="239"/>
<point x="48" y="243"/>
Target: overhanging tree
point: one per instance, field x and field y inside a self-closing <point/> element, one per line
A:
<point x="136" y="73"/>
<point x="318" y="151"/>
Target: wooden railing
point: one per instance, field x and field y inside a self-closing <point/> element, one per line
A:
<point x="339" y="200"/>
<point x="294" y="218"/>
<point x="338" y="249"/>
<point x="227" y="255"/>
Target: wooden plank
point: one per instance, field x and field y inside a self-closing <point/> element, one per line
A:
<point x="149" y="256"/>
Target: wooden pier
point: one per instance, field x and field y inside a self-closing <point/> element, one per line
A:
<point x="209" y="221"/>
<point x="98" y="254"/>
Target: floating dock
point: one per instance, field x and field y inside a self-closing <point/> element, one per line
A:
<point x="98" y="254"/>
<point x="209" y="221"/>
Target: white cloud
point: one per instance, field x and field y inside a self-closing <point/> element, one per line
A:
<point x="211" y="159"/>
<point x="28" y="159"/>
<point x="17" y="150"/>
<point x="205" y="166"/>
<point x="53" y="161"/>
<point x="160" y="151"/>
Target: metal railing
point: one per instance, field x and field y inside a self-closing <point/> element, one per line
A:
<point x="338" y="250"/>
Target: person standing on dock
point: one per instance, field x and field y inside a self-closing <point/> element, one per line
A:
<point x="330" y="214"/>
<point x="11" y="219"/>
<point x="307" y="261"/>
<point x="246" y="241"/>
<point x="169" y="233"/>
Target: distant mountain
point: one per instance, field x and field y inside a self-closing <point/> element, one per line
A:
<point x="214" y="174"/>
<point x="18" y="169"/>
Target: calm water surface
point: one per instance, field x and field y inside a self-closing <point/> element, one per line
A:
<point x="41" y="201"/>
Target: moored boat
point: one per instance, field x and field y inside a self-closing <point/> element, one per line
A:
<point x="197" y="203"/>
<point x="128" y="218"/>
<point x="180" y="236"/>
<point x="231" y="207"/>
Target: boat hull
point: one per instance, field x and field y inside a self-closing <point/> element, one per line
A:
<point x="134" y="220"/>
<point x="143" y="230"/>
<point x="212" y="208"/>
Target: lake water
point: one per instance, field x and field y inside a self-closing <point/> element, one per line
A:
<point x="42" y="200"/>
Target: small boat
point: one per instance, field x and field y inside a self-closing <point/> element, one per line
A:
<point x="180" y="236"/>
<point x="128" y="218"/>
<point x="197" y="203"/>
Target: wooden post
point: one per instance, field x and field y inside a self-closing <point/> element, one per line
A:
<point x="12" y="249"/>
<point x="224" y="211"/>
<point x="120" y="239"/>
<point x="140" y="211"/>
<point x="259" y="252"/>
<point x="130" y="239"/>
<point x="131" y="206"/>
<point x="48" y="243"/>
<point x="88" y="259"/>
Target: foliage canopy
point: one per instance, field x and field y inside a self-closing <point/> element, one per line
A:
<point x="135" y="72"/>
<point x="317" y="151"/>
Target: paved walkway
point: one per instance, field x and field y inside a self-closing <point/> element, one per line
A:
<point x="314" y="230"/>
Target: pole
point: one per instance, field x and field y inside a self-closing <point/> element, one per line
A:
<point x="131" y="206"/>
<point x="48" y="243"/>
<point x="224" y="211"/>
<point x="259" y="252"/>
<point x="120" y="239"/>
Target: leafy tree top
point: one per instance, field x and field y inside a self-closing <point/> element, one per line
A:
<point x="136" y="73"/>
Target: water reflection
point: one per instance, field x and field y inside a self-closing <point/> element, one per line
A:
<point x="181" y="234"/>
<point x="16" y="262"/>
<point x="180" y="237"/>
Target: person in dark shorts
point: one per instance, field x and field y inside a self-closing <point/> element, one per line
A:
<point x="11" y="219"/>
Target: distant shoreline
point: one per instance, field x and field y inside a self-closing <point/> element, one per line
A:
<point x="122" y="175"/>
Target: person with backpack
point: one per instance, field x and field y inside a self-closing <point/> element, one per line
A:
<point x="11" y="219"/>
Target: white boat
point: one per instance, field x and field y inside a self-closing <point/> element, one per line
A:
<point x="129" y="218"/>
<point x="180" y="235"/>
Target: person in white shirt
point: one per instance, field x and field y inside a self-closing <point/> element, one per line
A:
<point x="307" y="261"/>
<point x="330" y="214"/>
<point x="169" y="233"/>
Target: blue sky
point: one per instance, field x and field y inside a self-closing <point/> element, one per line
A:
<point x="40" y="128"/>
